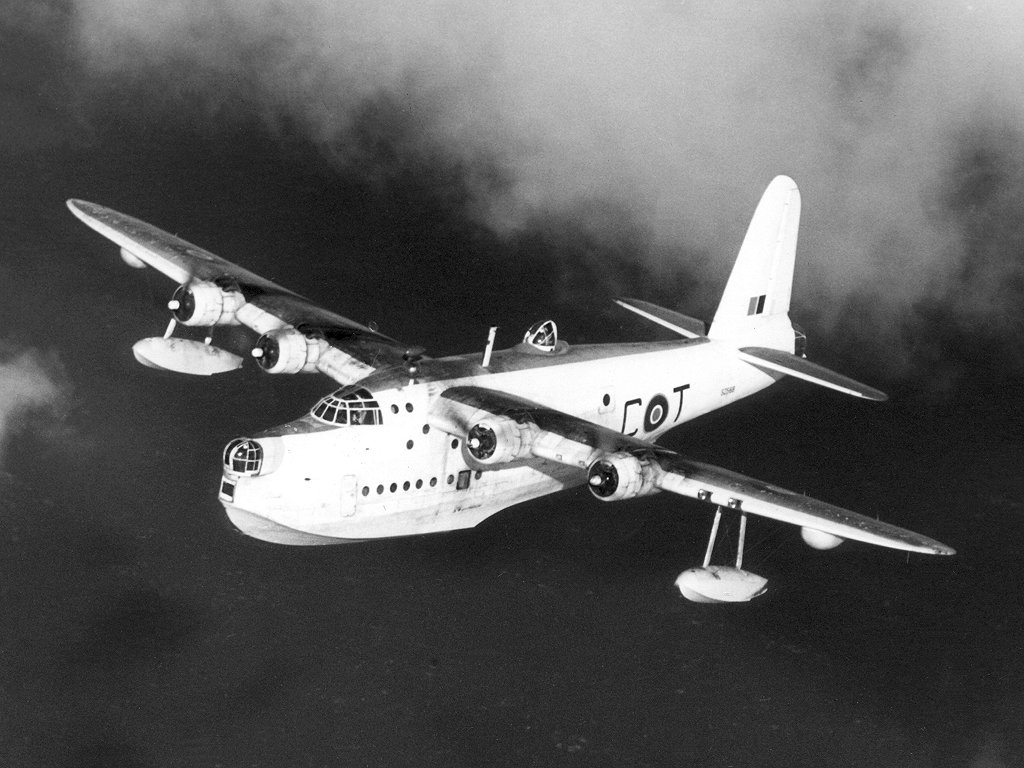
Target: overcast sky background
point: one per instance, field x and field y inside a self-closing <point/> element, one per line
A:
<point x="441" y="166"/>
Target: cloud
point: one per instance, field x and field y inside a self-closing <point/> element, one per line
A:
<point x="34" y="395"/>
<point x="675" y="113"/>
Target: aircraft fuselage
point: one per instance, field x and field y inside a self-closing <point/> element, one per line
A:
<point x="400" y="474"/>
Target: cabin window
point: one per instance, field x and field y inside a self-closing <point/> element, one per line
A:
<point x="463" y="483"/>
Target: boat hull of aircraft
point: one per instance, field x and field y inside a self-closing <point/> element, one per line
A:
<point x="358" y="482"/>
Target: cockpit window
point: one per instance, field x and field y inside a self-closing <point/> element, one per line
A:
<point x="542" y="336"/>
<point x="348" y="406"/>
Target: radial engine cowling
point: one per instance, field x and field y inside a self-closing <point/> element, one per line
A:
<point x="621" y="476"/>
<point x="205" y="304"/>
<point x="497" y="440"/>
<point x="287" y="351"/>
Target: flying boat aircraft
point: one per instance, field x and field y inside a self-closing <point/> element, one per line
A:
<point x="409" y="444"/>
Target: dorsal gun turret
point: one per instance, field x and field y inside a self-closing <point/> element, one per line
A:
<point x="542" y="337"/>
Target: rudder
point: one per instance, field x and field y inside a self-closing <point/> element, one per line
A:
<point x="755" y="304"/>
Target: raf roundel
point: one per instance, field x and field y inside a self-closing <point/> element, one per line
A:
<point x="656" y="412"/>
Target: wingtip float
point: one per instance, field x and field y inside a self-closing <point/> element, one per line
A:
<point x="411" y="444"/>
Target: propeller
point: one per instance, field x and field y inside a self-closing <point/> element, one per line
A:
<point x="481" y="441"/>
<point x="412" y="357"/>
<point x="603" y="478"/>
<point x="182" y="304"/>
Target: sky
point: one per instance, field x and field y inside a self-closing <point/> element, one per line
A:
<point x="900" y="121"/>
<point x="437" y="167"/>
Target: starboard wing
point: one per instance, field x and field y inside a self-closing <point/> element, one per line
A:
<point x="571" y="440"/>
<point x="280" y="308"/>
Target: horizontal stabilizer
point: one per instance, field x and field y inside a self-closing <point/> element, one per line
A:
<point x="791" y="365"/>
<point x="690" y="327"/>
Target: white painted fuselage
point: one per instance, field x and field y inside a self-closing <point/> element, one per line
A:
<point x="323" y="483"/>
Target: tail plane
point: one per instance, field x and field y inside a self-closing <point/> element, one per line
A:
<point x="753" y="313"/>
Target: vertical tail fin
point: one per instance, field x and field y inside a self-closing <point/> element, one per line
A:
<point x="755" y="305"/>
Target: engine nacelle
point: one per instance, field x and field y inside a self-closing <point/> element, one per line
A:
<point x="205" y="304"/>
<point x="497" y="440"/>
<point x="621" y="476"/>
<point x="287" y="350"/>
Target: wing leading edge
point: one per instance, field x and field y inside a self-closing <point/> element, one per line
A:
<point x="355" y="350"/>
<point x="570" y="440"/>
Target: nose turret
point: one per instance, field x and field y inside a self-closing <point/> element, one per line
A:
<point x="247" y="457"/>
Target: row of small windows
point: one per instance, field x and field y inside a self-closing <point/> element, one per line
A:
<point x="463" y="483"/>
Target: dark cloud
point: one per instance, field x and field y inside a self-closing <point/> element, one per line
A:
<point x="32" y="96"/>
<point x="672" y="115"/>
